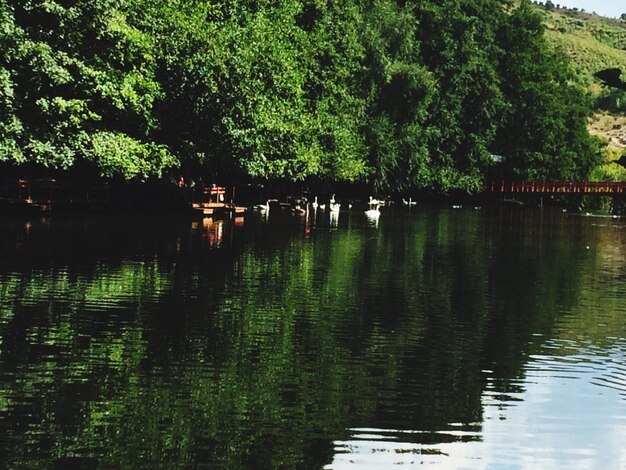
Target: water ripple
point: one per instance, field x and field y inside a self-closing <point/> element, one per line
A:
<point x="381" y="448"/>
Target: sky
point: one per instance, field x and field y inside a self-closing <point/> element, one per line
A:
<point x="610" y="8"/>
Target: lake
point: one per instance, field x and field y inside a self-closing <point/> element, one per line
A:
<point x="453" y="338"/>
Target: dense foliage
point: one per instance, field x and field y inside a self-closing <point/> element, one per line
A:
<point x="400" y="94"/>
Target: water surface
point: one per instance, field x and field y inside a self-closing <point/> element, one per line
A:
<point x="458" y="338"/>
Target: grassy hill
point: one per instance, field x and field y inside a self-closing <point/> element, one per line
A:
<point x="594" y="43"/>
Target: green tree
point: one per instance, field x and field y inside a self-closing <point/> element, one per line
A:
<point x="398" y="90"/>
<point x="82" y="83"/>
<point x="458" y="45"/>
<point x="544" y="132"/>
<point x="401" y="94"/>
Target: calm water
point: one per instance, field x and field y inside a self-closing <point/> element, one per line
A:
<point x="453" y="338"/>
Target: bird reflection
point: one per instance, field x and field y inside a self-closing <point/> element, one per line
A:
<point x="334" y="218"/>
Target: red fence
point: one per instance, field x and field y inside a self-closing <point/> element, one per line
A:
<point x="608" y="188"/>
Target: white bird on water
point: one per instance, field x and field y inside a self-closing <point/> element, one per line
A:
<point x="373" y="213"/>
<point x="299" y="210"/>
<point x="263" y="207"/>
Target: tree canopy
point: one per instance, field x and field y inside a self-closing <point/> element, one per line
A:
<point x="399" y="94"/>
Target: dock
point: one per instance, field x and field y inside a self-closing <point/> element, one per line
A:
<point x="218" y="209"/>
<point x="213" y="204"/>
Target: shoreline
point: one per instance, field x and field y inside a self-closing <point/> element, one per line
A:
<point x="50" y="196"/>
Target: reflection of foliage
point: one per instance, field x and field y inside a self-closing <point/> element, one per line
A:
<point x="266" y="359"/>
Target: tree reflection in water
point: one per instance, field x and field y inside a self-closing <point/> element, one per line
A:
<point x="162" y="343"/>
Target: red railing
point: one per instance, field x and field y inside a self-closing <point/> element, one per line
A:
<point x="558" y="187"/>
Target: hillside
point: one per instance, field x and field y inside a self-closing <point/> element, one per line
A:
<point x="594" y="43"/>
